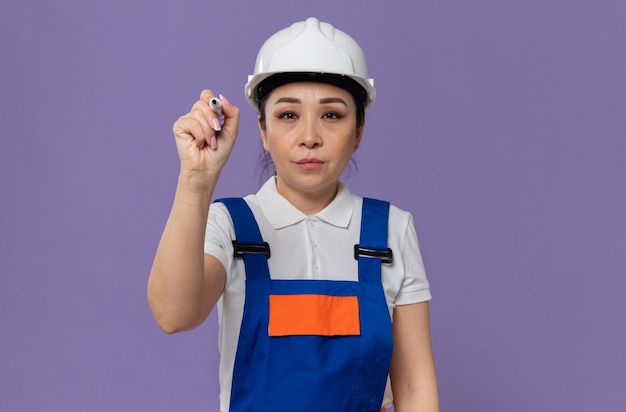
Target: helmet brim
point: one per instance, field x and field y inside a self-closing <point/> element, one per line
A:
<point x="262" y="84"/>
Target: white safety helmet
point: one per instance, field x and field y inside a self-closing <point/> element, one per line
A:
<point x="311" y="50"/>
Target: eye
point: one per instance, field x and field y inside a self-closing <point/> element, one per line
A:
<point x="287" y="116"/>
<point x="332" y="115"/>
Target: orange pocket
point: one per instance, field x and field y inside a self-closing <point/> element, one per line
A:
<point x="310" y="314"/>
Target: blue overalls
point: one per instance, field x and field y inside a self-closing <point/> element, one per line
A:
<point x="312" y="345"/>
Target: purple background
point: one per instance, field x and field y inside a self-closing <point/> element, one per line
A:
<point x="501" y="125"/>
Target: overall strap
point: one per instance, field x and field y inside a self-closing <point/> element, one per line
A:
<point x="372" y="249"/>
<point x="248" y="243"/>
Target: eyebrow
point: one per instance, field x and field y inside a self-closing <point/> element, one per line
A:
<point x="322" y="101"/>
<point x="333" y="100"/>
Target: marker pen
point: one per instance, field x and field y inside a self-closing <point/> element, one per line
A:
<point x="216" y="105"/>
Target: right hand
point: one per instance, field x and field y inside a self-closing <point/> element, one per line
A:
<point x="193" y="133"/>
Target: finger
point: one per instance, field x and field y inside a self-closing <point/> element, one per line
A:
<point x="210" y="123"/>
<point x="204" y="105"/>
<point x="206" y="95"/>
<point x="189" y="130"/>
<point x="231" y="115"/>
<point x="209" y="116"/>
<point x="193" y="127"/>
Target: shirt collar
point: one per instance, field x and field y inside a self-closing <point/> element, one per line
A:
<point x="280" y="213"/>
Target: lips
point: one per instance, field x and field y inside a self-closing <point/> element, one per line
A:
<point x="310" y="164"/>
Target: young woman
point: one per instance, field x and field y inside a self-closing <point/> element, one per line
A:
<point x="322" y="295"/>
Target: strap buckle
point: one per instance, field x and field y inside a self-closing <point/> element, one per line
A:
<point x="385" y="256"/>
<point x="241" y="248"/>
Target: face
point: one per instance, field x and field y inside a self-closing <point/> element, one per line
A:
<point x="310" y="132"/>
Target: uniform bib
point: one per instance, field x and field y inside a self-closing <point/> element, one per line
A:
<point x="312" y="345"/>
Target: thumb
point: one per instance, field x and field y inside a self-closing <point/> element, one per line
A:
<point x="231" y="115"/>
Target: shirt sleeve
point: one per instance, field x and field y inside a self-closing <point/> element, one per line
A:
<point x="219" y="234"/>
<point x="415" y="287"/>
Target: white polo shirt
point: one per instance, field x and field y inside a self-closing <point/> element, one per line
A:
<point x="320" y="246"/>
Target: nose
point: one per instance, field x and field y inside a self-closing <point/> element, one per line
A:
<point x="310" y="136"/>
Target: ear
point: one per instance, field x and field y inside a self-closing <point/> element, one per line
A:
<point x="359" y="136"/>
<point x="263" y="133"/>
